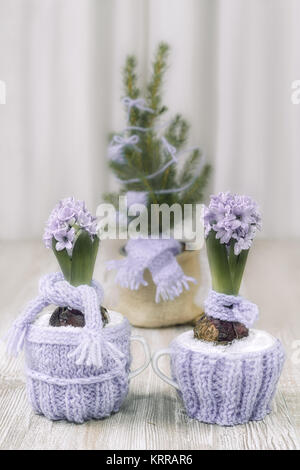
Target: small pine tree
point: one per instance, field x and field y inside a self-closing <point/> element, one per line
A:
<point x="150" y="154"/>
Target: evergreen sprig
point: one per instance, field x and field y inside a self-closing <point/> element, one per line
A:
<point x="149" y="155"/>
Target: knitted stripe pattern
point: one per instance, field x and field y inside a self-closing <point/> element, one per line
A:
<point x="159" y="256"/>
<point x="73" y="373"/>
<point x="227" y="389"/>
<point x="232" y="308"/>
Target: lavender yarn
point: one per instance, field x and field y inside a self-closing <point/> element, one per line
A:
<point x="232" y="308"/>
<point x="138" y="103"/>
<point x="157" y="255"/>
<point x="227" y="389"/>
<point x="114" y="154"/>
<point x="58" y="388"/>
<point x="72" y="373"/>
<point x="116" y="148"/>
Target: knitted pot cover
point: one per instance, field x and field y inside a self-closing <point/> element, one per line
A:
<point x="73" y="373"/>
<point x="224" y="388"/>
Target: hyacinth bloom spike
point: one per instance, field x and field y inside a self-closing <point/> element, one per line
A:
<point x="71" y="232"/>
<point x="231" y="222"/>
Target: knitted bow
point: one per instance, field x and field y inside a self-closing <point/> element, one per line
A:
<point x="55" y="290"/>
<point x="231" y="308"/>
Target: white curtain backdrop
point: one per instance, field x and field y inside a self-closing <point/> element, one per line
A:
<point x="232" y="65"/>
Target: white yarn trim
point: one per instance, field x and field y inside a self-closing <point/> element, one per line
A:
<point x="257" y="341"/>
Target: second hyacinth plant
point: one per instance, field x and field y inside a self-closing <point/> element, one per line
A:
<point x="231" y="222"/>
<point x="71" y="232"/>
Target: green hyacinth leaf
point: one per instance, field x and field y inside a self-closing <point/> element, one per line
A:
<point x="83" y="259"/>
<point x="237" y="265"/>
<point x="63" y="259"/>
<point x="218" y="263"/>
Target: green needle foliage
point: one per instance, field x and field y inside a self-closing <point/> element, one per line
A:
<point x="150" y="155"/>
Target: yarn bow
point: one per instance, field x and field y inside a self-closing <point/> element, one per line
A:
<point x="133" y="139"/>
<point x="138" y="103"/>
<point x="117" y="144"/>
<point x="232" y="308"/>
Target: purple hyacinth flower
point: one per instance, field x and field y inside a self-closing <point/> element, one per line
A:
<point x="64" y="239"/>
<point x="84" y="219"/>
<point x="66" y="213"/>
<point x="55" y="224"/>
<point x="232" y="217"/>
<point x="47" y="238"/>
<point x="93" y="228"/>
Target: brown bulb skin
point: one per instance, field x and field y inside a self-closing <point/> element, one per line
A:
<point x="63" y="316"/>
<point x="218" y="331"/>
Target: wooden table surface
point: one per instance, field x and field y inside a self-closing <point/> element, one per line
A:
<point x="152" y="417"/>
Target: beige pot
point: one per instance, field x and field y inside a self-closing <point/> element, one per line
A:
<point x="141" y="309"/>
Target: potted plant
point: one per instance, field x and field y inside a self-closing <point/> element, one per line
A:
<point x="144" y="157"/>
<point x="78" y="357"/>
<point x="225" y="371"/>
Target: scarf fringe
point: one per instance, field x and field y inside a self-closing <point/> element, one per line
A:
<point x="157" y="255"/>
<point x="90" y="351"/>
<point x="127" y="276"/>
<point x="15" y="339"/>
<point x="170" y="291"/>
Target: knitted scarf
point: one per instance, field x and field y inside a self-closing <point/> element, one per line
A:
<point x="92" y="344"/>
<point x="159" y="256"/>
<point x="232" y="308"/>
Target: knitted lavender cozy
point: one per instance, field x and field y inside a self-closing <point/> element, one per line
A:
<point x="223" y="387"/>
<point x="159" y="256"/>
<point x="230" y="308"/>
<point x="72" y="373"/>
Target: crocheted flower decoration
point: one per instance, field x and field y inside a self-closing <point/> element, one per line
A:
<point x="232" y="217"/>
<point x="67" y="218"/>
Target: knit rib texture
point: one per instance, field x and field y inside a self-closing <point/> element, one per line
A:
<point x="72" y="373"/>
<point x="58" y="388"/>
<point x="226" y="389"/>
